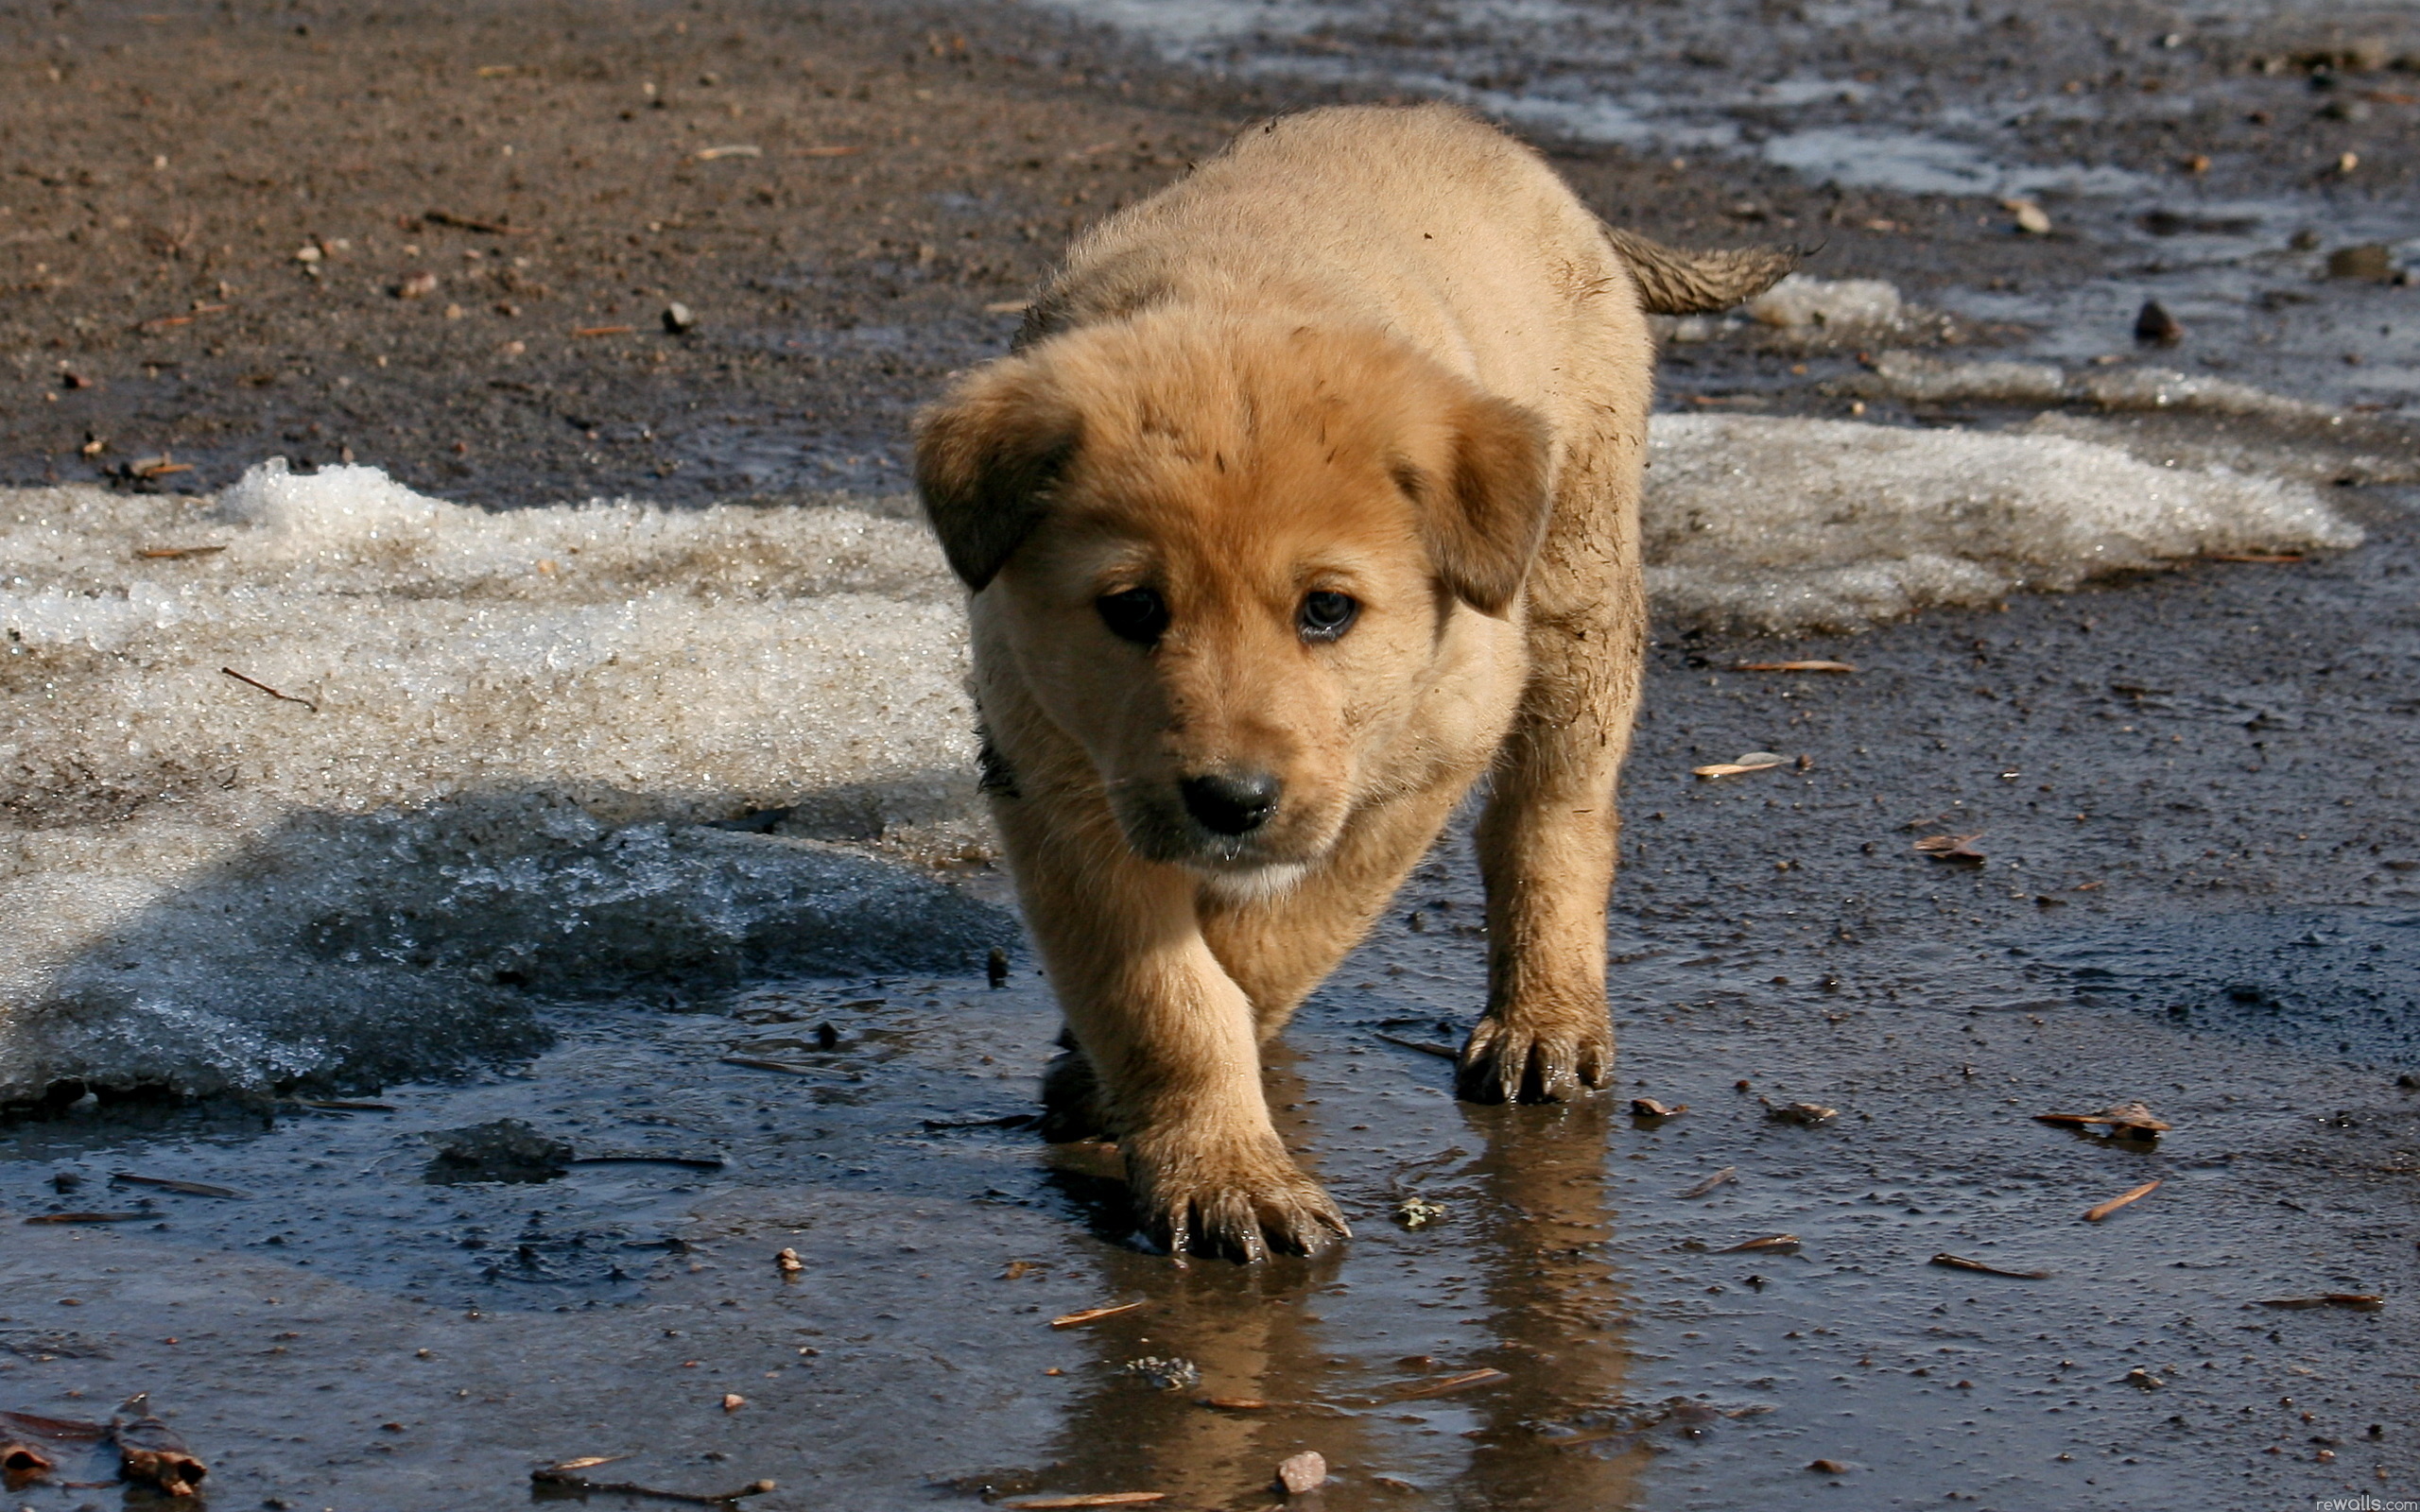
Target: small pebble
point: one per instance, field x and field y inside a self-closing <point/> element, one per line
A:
<point x="2154" y="324"/>
<point x="2030" y="216"/>
<point x="679" y="318"/>
<point x="1298" y="1473"/>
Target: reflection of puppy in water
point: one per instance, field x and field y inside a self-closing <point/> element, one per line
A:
<point x="1311" y="496"/>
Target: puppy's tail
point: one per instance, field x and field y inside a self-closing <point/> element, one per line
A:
<point x="1677" y="283"/>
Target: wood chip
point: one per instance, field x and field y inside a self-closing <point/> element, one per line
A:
<point x="827" y="152"/>
<point x="2359" y="1301"/>
<point x="2122" y="1118"/>
<point x="1234" y="1404"/>
<point x="1961" y="1262"/>
<point x="1449" y="1386"/>
<point x="732" y="1401"/>
<point x="1729" y="1173"/>
<point x="737" y="150"/>
<point x="256" y="683"/>
<point x="1044" y="1504"/>
<point x="1793" y="666"/>
<point x="759" y="1063"/>
<point x="1732" y="768"/>
<point x="1956" y="847"/>
<point x="175" y="552"/>
<point x="1426" y="1047"/>
<point x="1091" y="1314"/>
<point x="2096" y="1215"/>
<point x="2279" y="558"/>
<point x="489" y="228"/>
<point x="190" y="1189"/>
<point x="603" y="331"/>
<point x="1774" y="1244"/>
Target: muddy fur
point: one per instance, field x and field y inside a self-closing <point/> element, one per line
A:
<point x="1373" y="357"/>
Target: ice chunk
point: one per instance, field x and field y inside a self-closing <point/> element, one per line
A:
<point x="1920" y="378"/>
<point x="1798" y="300"/>
<point x="502" y="739"/>
<point x="1784" y="525"/>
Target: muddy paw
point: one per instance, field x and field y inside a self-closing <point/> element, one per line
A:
<point x="1241" y="1209"/>
<point x="1071" y="1100"/>
<point x="1507" y="1062"/>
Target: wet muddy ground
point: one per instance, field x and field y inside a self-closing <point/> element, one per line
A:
<point x="2194" y="797"/>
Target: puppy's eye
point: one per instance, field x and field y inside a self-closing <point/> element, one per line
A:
<point x="1138" y="614"/>
<point x="1326" y="615"/>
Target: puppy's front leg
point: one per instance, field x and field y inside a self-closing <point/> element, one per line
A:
<point x="1169" y="1035"/>
<point x="1547" y="843"/>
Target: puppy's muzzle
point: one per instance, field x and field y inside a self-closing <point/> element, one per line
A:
<point x="1233" y="804"/>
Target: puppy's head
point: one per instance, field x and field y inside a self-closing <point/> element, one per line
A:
<point x="1226" y="551"/>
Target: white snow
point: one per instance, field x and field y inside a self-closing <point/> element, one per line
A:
<point x="1784" y="525"/>
<point x="506" y="736"/>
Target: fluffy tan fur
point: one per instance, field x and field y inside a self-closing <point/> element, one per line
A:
<point x="1381" y="354"/>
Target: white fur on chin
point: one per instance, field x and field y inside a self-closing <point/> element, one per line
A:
<point x="1256" y="886"/>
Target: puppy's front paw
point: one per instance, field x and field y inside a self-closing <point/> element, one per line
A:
<point x="1244" y="1206"/>
<point x="1506" y="1061"/>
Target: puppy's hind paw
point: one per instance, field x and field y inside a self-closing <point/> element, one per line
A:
<point x="1071" y="1100"/>
<point x="1505" y="1062"/>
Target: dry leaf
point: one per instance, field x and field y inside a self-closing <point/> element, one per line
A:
<point x="1958" y="848"/>
<point x="2096" y="1215"/>
<point x="151" y="1452"/>
<point x="2132" y="1120"/>
<point x="1729" y="1173"/>
<point x="2358" y="1301"/>
<point x="1961" y="1262"/>
<point x="1450" y="1384"/>
<point x="1733" y="768"/>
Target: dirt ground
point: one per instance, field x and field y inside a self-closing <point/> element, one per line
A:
<point x="2195" y="797"/>
<point x="209" y="216"/>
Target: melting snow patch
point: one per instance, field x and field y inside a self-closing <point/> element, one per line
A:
<point x="1797" y="524"/>
<point x="502" y="739"/>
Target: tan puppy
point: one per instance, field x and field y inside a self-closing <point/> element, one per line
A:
<point x="1310" y="498"/>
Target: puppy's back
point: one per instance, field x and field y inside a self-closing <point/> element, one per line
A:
<point x="1418" y="219"/>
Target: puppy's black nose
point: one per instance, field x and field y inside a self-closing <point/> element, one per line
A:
<point x="1231" y="803"/>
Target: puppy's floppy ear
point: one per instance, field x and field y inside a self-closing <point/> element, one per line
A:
<point x="1483" y="504"/>
<point x="986" y="457"/>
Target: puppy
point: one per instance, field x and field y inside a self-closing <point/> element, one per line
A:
<point x="1308" y="497"/>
